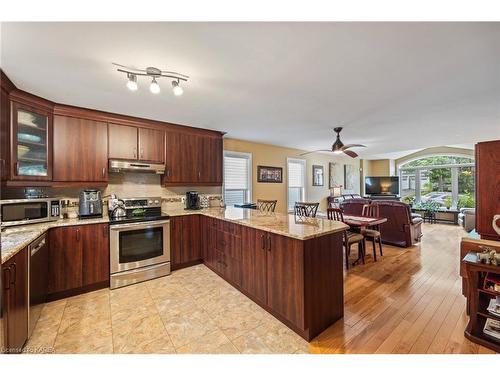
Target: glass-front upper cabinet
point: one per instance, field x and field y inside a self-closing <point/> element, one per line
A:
<point x="32" y="130"/>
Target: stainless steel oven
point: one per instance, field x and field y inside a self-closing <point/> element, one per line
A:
<point x="139" y="251"/>
<point x="27" y="211"/>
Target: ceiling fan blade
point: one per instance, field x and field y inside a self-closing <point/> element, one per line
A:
<point x="352" y="154"/>
<point x="310" y="152"/>
<point x="345" y="147"/>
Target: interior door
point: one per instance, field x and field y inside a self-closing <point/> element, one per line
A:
<point x="80" y="150"/>
<point x="122" y="142"/>
<point x="151" y="145"/>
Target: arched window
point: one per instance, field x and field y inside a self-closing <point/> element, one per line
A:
<point x="447" y="180"/>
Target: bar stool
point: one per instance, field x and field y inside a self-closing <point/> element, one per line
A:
<point x="266" y="205"/>
<point x="349" y="237"/>
<point x="308" y="209"/>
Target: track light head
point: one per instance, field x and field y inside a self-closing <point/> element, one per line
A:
<point x="154" y="87"/>
<point x="132" y="82"/>
<point x="176" y="88"/>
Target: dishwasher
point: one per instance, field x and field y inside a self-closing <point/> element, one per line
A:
<point x="38" y="279"/>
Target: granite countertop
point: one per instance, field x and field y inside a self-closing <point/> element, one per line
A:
<point x="16" y="238"/>
<point x="282" y="224"/>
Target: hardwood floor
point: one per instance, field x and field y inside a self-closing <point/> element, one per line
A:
<point x="409" y="301"/>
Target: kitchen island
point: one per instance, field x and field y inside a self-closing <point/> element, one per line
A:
<point x="291" y="266"/>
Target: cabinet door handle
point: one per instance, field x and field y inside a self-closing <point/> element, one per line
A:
<point x="168" y="172"/>
<point x="78" y="235"/>
<point x="199" y="175"/>
<point x="13" y="281"/>
<point x="142" y="152"/>
<point x="103" y="171"/>
<point x="135" y="152"/>
<point x="6" y="278"/>
<point x="17" y="168"/>
<point x="262" y="242"/>
<point x="269" y="243"/>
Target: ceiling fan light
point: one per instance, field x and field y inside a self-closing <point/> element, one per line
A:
<point x="154" y="87"/>
<point x="176" y="88"/>
<point x="132" y="82"/>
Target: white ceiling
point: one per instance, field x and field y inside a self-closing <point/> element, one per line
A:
<point x="393" y="86"/>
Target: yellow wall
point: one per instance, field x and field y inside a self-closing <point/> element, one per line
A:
<point x="275" y="156"/>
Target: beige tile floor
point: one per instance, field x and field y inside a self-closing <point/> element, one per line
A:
<point x="191" y="311"/>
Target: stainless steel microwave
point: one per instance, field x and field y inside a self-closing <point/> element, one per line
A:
<point x="27" y="211"/>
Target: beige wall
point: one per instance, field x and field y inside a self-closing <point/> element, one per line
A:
<point x="269" y="155"/>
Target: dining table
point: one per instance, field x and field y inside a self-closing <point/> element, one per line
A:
<point x="358" y="223"/>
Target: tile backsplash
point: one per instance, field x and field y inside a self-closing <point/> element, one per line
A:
<point x="131" y="185"/>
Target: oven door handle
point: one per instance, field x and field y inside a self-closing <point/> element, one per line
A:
<point x="142" y="225"/>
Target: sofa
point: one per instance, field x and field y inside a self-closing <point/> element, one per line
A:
<point x="353" y="206"/>
<point x="467" y="218"/>
<point x="401" y="229"/>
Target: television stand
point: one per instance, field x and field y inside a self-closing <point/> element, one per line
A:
<point x="392" y="197"/>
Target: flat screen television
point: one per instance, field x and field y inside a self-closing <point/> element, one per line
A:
<point x="382" y="185"/>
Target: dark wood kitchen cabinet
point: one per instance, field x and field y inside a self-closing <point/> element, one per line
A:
<point x="185" y="241"/>
<point x="80" y="150"/>
<point x="254" y="263"/>
<point x="95" y="263"/>
<point x="133" y="143"/>
<point x="285" y="275"/>
<point x="193" y="159"/>
<point x="78" y="258"/>
<point x="487" y="189"/>
<point x="16" y="303"/>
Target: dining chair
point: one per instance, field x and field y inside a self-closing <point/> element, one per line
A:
<point x="266" y="205"/>
<point x="350" y="238"/>
<point x="372" y="210"/>
<point x="308" y="209"/>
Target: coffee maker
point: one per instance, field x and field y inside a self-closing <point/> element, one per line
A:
<point x="90" y="204"/>
<point x="192" y="200"/>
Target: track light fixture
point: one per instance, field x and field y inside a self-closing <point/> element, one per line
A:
<point x="155" y="73"/>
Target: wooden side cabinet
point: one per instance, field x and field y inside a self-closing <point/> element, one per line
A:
<point x="487" y="189"/>
<point x="78" y="259"/>
<point x="16" y="303"/>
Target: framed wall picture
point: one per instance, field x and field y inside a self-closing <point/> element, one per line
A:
<point x="349" y="175"/>
<point x="331" y="176"/>
<point x="269" y="174"/>
<point x="318" y="175"/>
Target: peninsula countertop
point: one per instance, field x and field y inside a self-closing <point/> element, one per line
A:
<point x="302" y="228"/>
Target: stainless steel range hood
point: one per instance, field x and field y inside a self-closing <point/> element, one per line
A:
<point x="135" y="166"/>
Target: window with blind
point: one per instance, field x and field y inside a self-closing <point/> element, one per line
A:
<point x="237" y="178"/>
<point x="296" y="181"/>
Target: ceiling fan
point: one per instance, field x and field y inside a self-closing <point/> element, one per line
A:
<point x="338" y="147"/>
